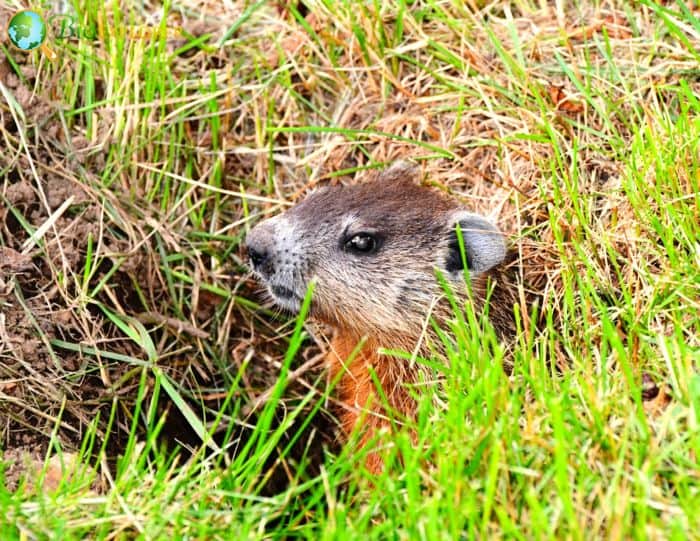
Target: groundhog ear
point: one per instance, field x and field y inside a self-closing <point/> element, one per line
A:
<point x="484" y="244"/>
<point x="403" y="171"/>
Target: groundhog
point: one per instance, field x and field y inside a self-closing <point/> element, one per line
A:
<point x="373" y="250"/>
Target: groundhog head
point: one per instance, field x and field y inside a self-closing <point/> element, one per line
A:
<point x="372" y="250"/>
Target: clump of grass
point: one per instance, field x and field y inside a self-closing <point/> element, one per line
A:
<point x="576" y="128"/>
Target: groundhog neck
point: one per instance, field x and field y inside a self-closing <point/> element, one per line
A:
<point x="356" y="390"/>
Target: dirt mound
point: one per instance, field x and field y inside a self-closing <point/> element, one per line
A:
<point x="56" y="243"/>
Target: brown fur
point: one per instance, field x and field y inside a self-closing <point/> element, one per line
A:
<point x="357" y="393"/>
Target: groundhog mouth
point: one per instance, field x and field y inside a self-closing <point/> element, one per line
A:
<point x="285" y="293"/>
<point x="285" y="298"/>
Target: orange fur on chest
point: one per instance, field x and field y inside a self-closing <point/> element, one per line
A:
<point x="356" y="390"/>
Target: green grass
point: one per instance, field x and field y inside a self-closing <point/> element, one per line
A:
<point x="184" y="145"/>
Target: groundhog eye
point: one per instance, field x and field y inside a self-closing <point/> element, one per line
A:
<point x="361" y="243"/>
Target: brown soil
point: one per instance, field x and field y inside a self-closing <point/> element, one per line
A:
<point x="46" y="387"/>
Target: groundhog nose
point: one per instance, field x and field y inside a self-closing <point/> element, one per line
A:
<point x="257" y="257"/>
<point x="259" y="253"/>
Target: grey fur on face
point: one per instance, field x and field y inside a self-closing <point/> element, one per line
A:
<point x="373" y="249"/>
